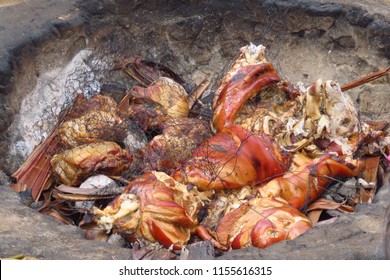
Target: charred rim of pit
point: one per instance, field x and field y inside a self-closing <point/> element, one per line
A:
<point x="305" y="40"/>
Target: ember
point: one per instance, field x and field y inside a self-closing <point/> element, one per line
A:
<point x="247" y="178"/>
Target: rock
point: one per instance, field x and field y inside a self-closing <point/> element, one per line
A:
<point x="40" y="110"/>
<point x="98" y="182"/>
<point x="135" y="139"/>
<point x="25" y="231"/>
<point x="371" y="103"/>
<point x="341" y="191"/>
<point x="325" y="9"/>
<point x="152" y="252"/>
<point x="203" y="250"/>
<point x="95" y="182"/>
<point x="359" y="16"/>
<point x="116" y="239"/>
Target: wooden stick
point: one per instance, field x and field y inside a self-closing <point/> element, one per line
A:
<point x="366" y="79"/>
<point x="197" y="93"/>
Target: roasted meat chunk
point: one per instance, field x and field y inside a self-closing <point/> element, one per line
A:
<point x="153" y="207"/>
<point x="175" y="145"/>
<point x="94" y="126"/>
<point x="261" y="222"/>
<point x="72" y="166"/>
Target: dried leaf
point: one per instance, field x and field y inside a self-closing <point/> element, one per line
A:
<point x="94" y="232"/>
<point x="325" y="204"/>
<point x="80" y="197"/>
<point x="20" y="256"/>
<point x="46" y="200"/>
<point x="377" y="125"/>
<point x="57" y="216"/>
<point x="34" y="174"/>
<point x="314" y="215"/>
<point x="197" y="93"/>
<point x="315" y="209"/>
<point x="155" y="70"/>
<point x="146" y="72"/>
<point x="107" y="191"/>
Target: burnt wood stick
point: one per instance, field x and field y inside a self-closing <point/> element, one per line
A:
<point x="365" y="79"/>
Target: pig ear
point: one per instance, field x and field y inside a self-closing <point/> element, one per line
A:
<point x="284" y="223"/>
<point x="237" y="90"/>
<point x="265" y="233"/>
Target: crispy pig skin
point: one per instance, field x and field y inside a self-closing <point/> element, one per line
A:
<point x="150" y="107"/>
<point x="94" y="126"/>
<point x="302" y="185"/>
<point x="246" y="84"/>
<point x="217" y="164"/>
<point x="166" y="213"/>
<point x="72" y="166"/>
<point x="168" y="210"/>
<point x="249" y="55"/>
<point x="175" y="145"/>
<point x="233" y="159"/>
<point x="165" y="92"/>
<point x="147" y="115"/>
<point x="81" y="105"/>
<point x="261" y="222"/>
<point x="250" y="73"/>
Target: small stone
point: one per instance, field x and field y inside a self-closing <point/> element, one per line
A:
<point x="116" y="239"/>
<point x="94" y="182"/>
<point x="135" y="139"/>
<point x="359" y="16"/>
<point x="324" y="9"/>
<point x="97" y="182"/>
<point x="203" y="250"/>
